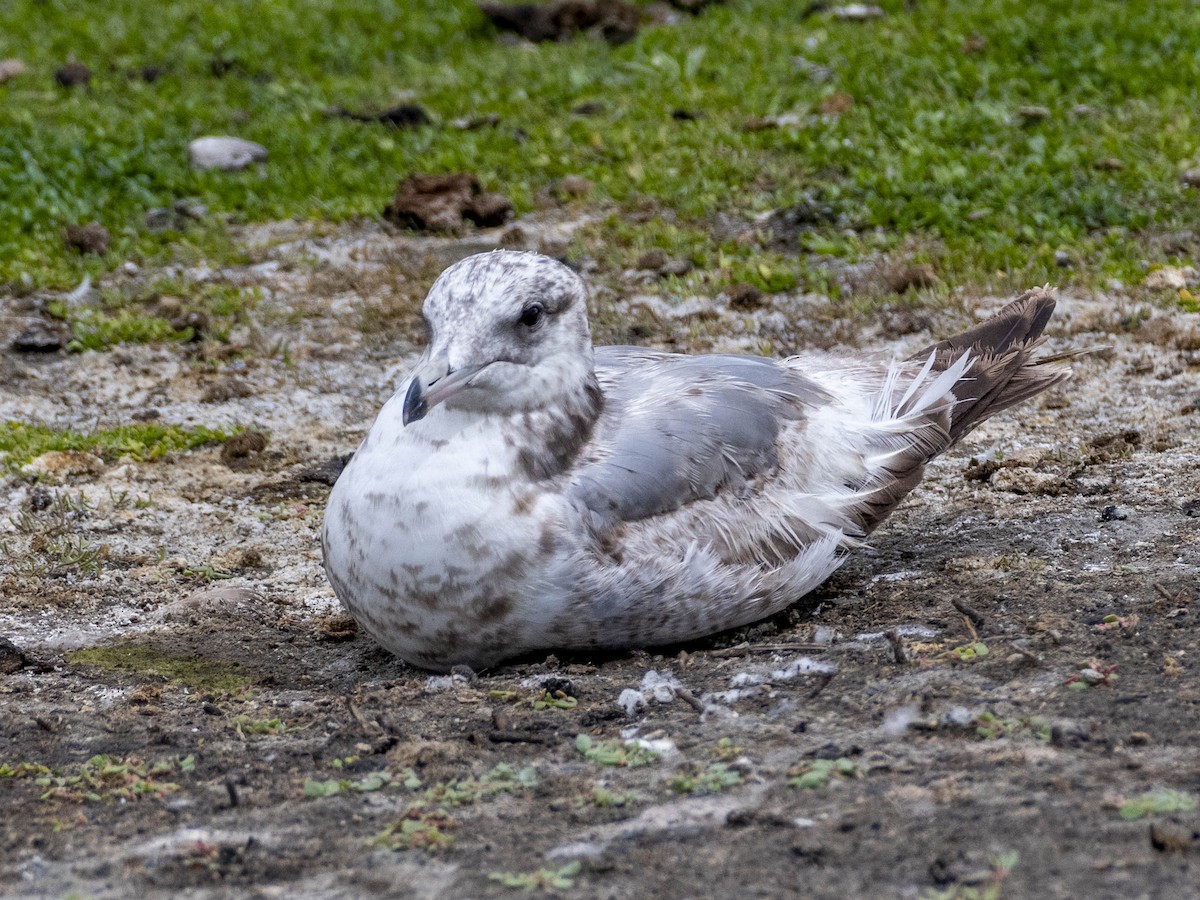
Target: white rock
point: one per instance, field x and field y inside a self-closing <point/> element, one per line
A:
<point x="857" y="12"/>
<point x="631" y="701"/>
<point x="226" y="153"/>
<point x="1170" y="278"/>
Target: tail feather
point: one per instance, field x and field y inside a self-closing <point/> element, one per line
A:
<point x="962" y="381"/>
<point x="1003" y="370"/>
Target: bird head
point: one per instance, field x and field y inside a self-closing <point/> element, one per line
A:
<point x="508" y="333"/>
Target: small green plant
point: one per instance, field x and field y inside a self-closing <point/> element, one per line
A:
<point x="1094" y="674"/>
<point x="705" y="779"/>
<point x="105" y="778"/>
<point x="560" y="879"/>
<point x="418" y="829"/>
<point x="555" y="700"/>
<point x="614" y="753"/>
<point x="999" y="868"/>
<point x="726" y="749"/>
<point x="1164" y="800"/>
<point x="503" y="779"/>
<point x="605" y="798"/>
<point x="969" y="652"/>
<point x="818" y="773"/>
<point x="374" y="781"/>
<point x="990" y="727"/>
<point x="244" y="726"/>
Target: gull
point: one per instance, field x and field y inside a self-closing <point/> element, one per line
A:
<point x="523" y="490"/>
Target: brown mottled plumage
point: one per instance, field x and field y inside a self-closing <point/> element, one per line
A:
<point x="524" y="490"/>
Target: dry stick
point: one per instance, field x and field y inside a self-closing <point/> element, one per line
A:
<point x="689" y="698"/>
<point x="744" y="649"/>
<point x="897" y="642"/>
<point x="976" y="617"/>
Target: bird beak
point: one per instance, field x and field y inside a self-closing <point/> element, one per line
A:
<point x="432" y="383"/>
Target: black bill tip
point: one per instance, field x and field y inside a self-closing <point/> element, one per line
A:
<point x="415" y="406"/>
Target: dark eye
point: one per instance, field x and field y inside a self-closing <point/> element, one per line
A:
<point x="532" y="315"/>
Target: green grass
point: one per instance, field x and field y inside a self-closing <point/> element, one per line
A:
<point x="20" y="442"/>
<point x="931" y="159"/>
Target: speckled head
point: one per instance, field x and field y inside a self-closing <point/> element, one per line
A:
<point x="508" y="332"/>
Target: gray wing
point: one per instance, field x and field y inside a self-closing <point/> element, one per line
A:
<point x="680" y="428"/>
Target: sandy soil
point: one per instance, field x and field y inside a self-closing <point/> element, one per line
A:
<point x="978" y="706"/>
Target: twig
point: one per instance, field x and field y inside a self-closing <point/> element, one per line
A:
<point x="897" y="642"/>
<point x="689" y="698"/>
<point x="744" y="649"/>
<point x="977" y="618"/>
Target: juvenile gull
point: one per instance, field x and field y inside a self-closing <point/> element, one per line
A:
<point x="523" y="490"/>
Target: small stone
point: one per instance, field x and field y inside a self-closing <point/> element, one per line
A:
<point x="241" y="447"/>
<point x="12" y="659"/>
<point x="745" y="297"/>
<point x="573" y="186"/>
<point x="857" y="12"/>
<point x="1169" y="278"/>
<point x="226" y="389"/>
<point x="190" y="209"/>
<point x="676" y="266"/>
<point x="1114" y="514"/>
<point x="515" y="238"/>
<point x="227" y="154"/>
<point x="904" y="278"/>
<point x="1082" y="110"/>
<point x="42" y="336"/>
<point x="1191" y="177"/>
<point x="11" y="68"/>
<point x="652" y="260"/>
<point x="1030" y="115"/>
<point x="56" y="465"/>
<point x="73" y="74"/>
<point x="1191" y="509"/>
<point x="836" y="104"/>
<point x="974" y="44"/>
<point x="327" y="472"/>
<point x="1139" y="738"/>
<point x="89" y="238"/>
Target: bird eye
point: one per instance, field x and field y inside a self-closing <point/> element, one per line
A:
<point x="532" y="315"/>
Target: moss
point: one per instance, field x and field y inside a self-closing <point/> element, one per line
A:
<point x="20" y="441"/>
<point x="209" y="675"/>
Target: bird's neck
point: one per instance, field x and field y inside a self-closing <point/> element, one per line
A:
<point x="548" y="438"/>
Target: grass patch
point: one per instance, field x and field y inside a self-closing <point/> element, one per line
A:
<point x="925" y="137"/>
<point x="209" y="675"/>
<point x="20" y="441"/>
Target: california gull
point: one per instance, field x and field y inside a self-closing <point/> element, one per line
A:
<point x="523" y="490"/>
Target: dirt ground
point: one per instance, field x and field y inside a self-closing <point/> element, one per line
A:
<point x="1000" y="698"/>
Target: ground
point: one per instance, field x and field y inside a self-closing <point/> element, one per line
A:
<point x="998" y="698"/>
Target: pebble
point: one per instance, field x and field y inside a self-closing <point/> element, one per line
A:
<point x="228" y="154"/>
<point x="1114" y="514"/>
<point x="56" y="465"/>
<point x="1171" y="278"/>
<point x="11" y="68"/>
<point x="12" y="659"/>
<point x="42" y="336"/>
<point x="73" y="74"/>
<point x="89" y="238"/>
